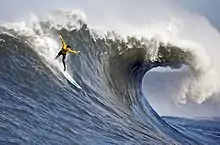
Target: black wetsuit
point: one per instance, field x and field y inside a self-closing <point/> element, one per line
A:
<point x="63" y="59"/>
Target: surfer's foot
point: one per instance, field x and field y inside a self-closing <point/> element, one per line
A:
<point x="64" y="68"/>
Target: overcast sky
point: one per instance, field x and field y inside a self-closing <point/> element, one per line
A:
<point x="12" y="10"/>
<point x="208" y="8"/>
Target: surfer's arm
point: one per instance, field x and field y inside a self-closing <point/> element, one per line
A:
<point x="63" y="42"/>
<point x="73" y="51"/>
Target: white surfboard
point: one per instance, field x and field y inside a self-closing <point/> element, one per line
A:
<point x="71" y="80"/>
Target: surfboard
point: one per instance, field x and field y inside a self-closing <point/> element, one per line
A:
<point x="71" y="80"/>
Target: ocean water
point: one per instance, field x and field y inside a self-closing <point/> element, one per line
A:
<point x="39" y="105"/>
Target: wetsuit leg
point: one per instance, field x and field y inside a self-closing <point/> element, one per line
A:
<point x="64" y="63"/>
<point x="58" y="54"/>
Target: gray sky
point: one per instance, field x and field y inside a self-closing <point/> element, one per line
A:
<point x="208" y="8"/>
<point x="14" y="10"/>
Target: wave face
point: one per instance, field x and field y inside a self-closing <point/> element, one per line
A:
<point x="39" y="106"/>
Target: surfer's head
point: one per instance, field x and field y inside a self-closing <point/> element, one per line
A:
<point x="68" y="46"/>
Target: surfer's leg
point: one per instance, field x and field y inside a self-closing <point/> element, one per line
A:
<point x="64" y="63"/>
<point x="58" y="54"/>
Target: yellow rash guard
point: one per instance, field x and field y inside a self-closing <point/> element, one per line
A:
<point x="64" y="47"/>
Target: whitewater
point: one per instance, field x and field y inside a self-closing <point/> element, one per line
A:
<point x="152" y="82"/>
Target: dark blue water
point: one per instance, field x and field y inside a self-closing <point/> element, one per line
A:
<point x="39" y="106"/>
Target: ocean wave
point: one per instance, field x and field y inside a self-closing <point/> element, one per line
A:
<point x="111" y="109"/>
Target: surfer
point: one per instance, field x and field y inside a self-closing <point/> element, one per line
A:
<point x="65" y="49"/>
